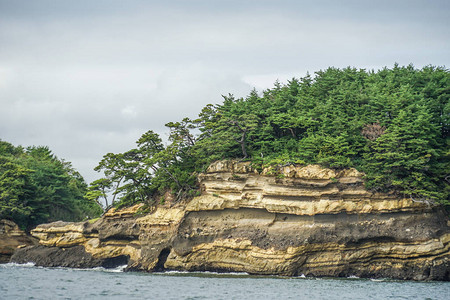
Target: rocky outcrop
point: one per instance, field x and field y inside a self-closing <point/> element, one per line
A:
<point x="12" y="237"/>
<point x="288" y="221"/>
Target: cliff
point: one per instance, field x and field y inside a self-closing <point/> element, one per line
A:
<point x="292" y="221"/>
<point x="12" y="237"/>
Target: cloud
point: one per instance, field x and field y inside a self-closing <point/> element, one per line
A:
<point x="89" y="77"/>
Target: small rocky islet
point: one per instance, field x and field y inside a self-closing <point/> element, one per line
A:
<point x="300" y="220"/>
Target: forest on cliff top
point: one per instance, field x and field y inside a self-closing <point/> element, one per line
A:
<point x="391" y="124"/>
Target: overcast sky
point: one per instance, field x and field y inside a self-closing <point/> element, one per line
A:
<point x="89" y="77"/>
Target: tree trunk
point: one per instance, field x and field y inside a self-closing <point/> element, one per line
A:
<point x="243" y="144"/>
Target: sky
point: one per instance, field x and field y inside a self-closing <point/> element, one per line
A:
<point x="89" y="77"/>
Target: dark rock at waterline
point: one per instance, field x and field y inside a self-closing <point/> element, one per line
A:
<point x="72" y="257"/>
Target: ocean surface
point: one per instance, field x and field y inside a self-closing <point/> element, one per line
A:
<point x="29" y="282"/>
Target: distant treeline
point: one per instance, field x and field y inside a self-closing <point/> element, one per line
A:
<point x="36" y="187"/>
<point x="392" y="124"/>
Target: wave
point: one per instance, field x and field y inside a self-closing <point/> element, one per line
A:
<point x="33" y="265"/>
<point x="15" y="265"/>
<point x="201" y="273"/>
<point x="378" y="279"/>
<point x="117" y="269"/>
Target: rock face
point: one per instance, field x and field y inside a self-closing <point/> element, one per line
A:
<point x="12" y="237"/>
<point x="292" y="221"/>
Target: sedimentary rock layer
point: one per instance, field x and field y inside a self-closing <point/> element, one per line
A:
<point x="288" y="221"/>
<point x="12" y="237"/>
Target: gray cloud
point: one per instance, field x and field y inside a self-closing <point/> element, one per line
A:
<point x="89" y="77"/>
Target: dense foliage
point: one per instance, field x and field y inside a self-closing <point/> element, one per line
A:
<point x="393" y="124"/>
<point x="37" y="187"/>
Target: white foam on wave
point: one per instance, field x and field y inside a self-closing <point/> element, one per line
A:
<point x="173" y="272"/>
<point x="227" y="273"/>
<point x="32" y="265"/>
<point x="117" y="269"/>
<point x="169" y="272"/>
<point x="25" y="265"/>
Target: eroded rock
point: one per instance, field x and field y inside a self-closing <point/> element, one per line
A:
<point x="291" y="221"/>
<point x="11" y="237"/>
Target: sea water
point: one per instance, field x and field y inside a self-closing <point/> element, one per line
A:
<point x="30" y="282"/>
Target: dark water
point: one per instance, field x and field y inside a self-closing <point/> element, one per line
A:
<point x="28" y="282"/>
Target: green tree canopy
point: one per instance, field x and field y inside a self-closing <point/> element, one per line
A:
<point x="393" y="124"/>
<point x="37" y="187"/>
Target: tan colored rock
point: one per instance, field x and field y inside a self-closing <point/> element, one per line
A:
<point x="124" y="212"/>
<point x="113" y="248"/>
<point x="11" y="238"/>
<point x="289" y="221"/>
<point x="60" y="234"/>
<point x="242" y="256"/>
<point x="301" y="190"/>
<point x="163" y="216"/>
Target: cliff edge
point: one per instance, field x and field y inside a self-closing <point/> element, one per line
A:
<point x="290" y="221"/>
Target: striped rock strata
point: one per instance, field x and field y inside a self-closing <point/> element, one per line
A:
<point x="291" y="221"/>
<point x="11" y="237"/>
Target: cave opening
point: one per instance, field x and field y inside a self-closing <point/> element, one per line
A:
<point x="162" y="258"/>
<point x="114" y="262"/>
